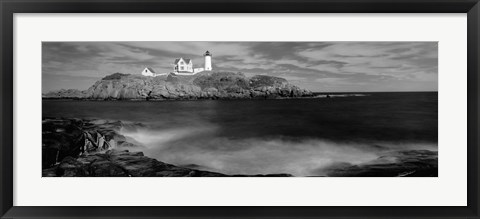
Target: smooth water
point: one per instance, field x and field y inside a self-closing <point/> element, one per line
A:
<point x="296" y="136"/>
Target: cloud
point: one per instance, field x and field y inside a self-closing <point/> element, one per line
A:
<point x="320" y="66"/>
<point x="395" y="59"/>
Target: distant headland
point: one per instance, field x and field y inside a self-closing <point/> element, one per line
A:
<point x="175" y="86"/>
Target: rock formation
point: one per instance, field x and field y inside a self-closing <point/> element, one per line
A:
<point x="81" y="148"/>
<point x="218" y="85"/>
<point x="66" y="94"/>
<point x="74" y="147"/>
<point x="405" y="163"/>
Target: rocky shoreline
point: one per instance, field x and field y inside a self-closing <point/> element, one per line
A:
<point x="217" y="85"/>
<point x="405" y="163"/>
<point x="93" y="148"/>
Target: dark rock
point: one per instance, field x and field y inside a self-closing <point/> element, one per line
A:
<point x="266" y="81"/>
<point x="216" y="85"/>
<point x="118" y="163"/>
<point x="71" y="167"/>
<point x="410" y="163"/>
<point x="115" y="76"/>
<point x="66" y="156"/>
<point x="65" y="94"/>
<point x="63" y="138"/>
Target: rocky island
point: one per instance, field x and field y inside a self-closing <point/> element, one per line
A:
<point x="216" y="85"/>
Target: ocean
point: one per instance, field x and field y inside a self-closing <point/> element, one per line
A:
<point x="302" y="137"/>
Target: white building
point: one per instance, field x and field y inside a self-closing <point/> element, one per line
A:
<point x="148" y="72"/>
<point x="151" y="73"/>
<point x="183" y="66"/>
<point x="208" y="61"/>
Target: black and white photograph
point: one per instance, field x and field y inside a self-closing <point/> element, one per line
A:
<point x="239" y="109"/>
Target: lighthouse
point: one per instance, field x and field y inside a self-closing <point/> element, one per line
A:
<point x="208" y="61"/>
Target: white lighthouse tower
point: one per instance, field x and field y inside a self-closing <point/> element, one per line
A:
<point x="208" y="61"/>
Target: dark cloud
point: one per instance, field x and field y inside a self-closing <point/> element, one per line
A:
<point x="319" y="66"/>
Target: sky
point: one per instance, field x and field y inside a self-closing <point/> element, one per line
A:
<point x="317" y="66"/>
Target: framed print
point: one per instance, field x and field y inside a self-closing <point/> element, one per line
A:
<point x="201" y="109"/>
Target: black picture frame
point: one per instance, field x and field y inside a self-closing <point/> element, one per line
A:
<point x="10" y="7"/>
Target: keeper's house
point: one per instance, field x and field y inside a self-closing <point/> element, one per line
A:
<point x="183" y="66"/>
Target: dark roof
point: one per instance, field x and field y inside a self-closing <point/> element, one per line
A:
<point x="207" y="53"/>
<point x="177" y="60"/>
<point x="151" y="70"/>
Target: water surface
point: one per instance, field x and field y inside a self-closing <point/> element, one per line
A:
<point x="296" y="136"/>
